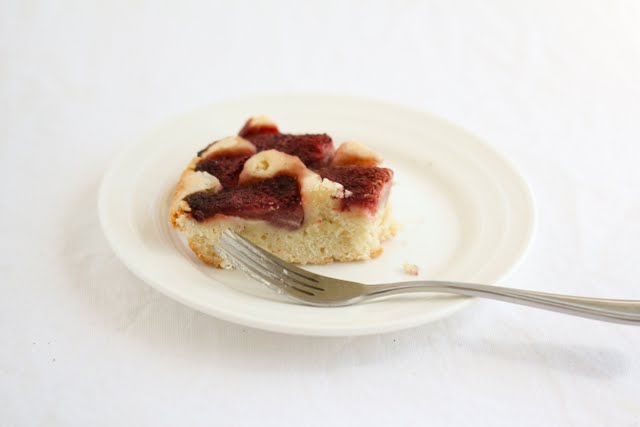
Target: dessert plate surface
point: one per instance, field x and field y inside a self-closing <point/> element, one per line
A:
<point x="465" y="213"/>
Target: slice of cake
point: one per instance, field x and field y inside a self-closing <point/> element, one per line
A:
<point x="294" y="195"/>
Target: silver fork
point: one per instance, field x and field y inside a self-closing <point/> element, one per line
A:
<point x="317" y="290"/>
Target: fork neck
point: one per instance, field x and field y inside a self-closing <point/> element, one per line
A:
<point x="401" y="287"/>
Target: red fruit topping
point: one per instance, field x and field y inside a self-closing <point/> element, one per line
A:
<point x="225" y="166"/>
<point x="368" y="185"/>
<point x="276" y="200"/>
<point x="250" y="129"/>
<point x="315" y="150"/>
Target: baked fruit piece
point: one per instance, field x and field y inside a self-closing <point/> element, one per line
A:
<point x="294" y="195"/>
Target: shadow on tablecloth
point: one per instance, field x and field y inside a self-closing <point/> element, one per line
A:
<point x="123" y="308"/>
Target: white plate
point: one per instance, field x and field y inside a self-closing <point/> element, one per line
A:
<point x="465" y="213"/>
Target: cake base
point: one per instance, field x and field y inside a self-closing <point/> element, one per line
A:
<point x="341" y="236"/>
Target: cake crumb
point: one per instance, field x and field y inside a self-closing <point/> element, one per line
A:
<point x="410" y="269"/>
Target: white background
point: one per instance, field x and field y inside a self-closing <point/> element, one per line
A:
<point x="554" y="85"/>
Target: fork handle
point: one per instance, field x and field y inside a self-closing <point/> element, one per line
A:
<point x="611" y="310"/>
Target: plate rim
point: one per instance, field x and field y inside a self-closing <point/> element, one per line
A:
<point x="292" y="329"/>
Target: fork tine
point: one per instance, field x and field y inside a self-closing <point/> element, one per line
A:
<point x="273" y="260"/>
<point x="246" y="257"/>
<point x="269" y="257"/>
<point x="240" y="265"/>
<point x="230" y="240"/>
<point x="240" y="260"/>
<point x="240" y="257"/>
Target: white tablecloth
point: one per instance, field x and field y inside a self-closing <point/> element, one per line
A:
<point x="553" y="85"/>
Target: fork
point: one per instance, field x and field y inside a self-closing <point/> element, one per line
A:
<point x="317" y="290"/>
